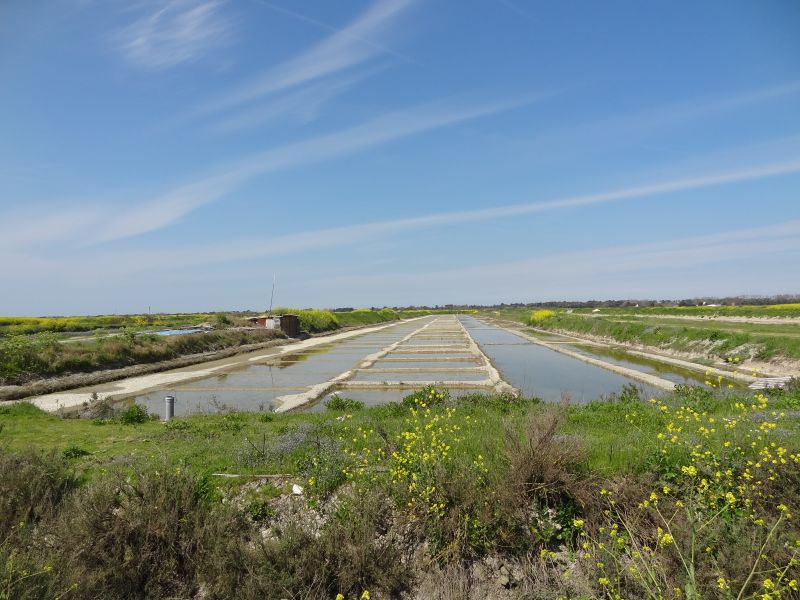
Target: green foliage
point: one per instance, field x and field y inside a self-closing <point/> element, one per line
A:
<point x="427" y="396"/>
<point x="312" y="320"/>
<point x="134" y="415"/>
<point x="32" y="487"/>
<point x="257" y="502"/>
<point x="519" y="482"/>
<point x="74" y="451"/>
<point x="540" y="317"/>
<point x="342" y="404"/>
<point x="719" y="339"/>
<point x="23" y="358"/>
<point x="31" y="325"/>
<point x="771" y="310"/>
<point x="696" y="397"/>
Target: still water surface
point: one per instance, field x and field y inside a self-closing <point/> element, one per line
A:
<point x="533" y="369"/>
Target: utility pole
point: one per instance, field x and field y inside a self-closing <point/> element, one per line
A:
<point x="272" y="296"/>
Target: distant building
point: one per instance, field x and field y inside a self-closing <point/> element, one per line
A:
<point x="289" y="324"/>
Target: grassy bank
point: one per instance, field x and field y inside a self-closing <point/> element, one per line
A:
<point x="690" y="496"/>
<point x="734" y="342"/>
<point x="763" y="311"/>
<point x="31" y="325"/>
<point x="27" y="358"/>
<point x="374" y="317"/>
<point x="315" y="320"/>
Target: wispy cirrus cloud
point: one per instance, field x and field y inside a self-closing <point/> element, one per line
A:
<point x="344" y="49"/>
<point x="642" y="123"/>
<point x="334" y="237"/>
<point x="174" y="33"/>
<point x="669" y="268"/>
<point x="175" y="204"/>
<point x="303" y="104"/>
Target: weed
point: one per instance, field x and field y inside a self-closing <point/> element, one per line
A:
<point x="540" y="317"/>
<point x="341" y="404"/>
<point x="134" y="415"/>
<point x="257" y="502"/>
<point x="540" y="491"/>
<point x="32" y="487"/>
<point x="74" y="451"/>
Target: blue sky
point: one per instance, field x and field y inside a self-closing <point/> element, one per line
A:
<point x="177" y="155"/>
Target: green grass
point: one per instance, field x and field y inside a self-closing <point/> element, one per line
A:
<point x="26" y="358"/>
<point x="315" y="320"/>
<point x="770" y="310"/>
<point x="219" y="442"/>
<point x="711" y="338"/>
<point x="364" y="316"/>
<point x="31" y="325"/>
<point x="127" y="507"/>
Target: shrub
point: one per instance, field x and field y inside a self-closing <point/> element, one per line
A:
<point x="696" y="397"/>
<point x="257" y="502"/>
<point x="74" y="451"/>
<point x="134" y="415"/>
<point x="312" y="320"/>
<point x="351" y="553"/>
<point x="152" y="535"/>
<point x="32" y="487"/>
<point x="339" y="403"/>
<point x="426" y="397"/>
<point x="539" y="494"/>
<point x="540" y="317"/>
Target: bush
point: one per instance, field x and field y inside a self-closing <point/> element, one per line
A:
<point x="350" y="554"/>
<point x="312" y="320"/>
<point x="539" y="493"/>
<point x="426" y="397"/>
<point x="32" y="487"/>
<point x="134" y="415"/>
<point x="339" y="403"/>
<point x="74" y="451"/>
<point x="540" y="317"/>
<point x="152" y="535"/>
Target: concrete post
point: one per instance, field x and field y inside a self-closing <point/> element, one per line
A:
<point x="169" y="402"/>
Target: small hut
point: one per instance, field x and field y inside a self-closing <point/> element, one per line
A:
<point x="289" y="324"/>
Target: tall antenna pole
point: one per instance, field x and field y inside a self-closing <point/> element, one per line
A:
<point x="272" y="296"/>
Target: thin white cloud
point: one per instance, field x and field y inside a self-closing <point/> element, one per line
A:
<point x="174" y="33"/>
<point x="240" y="250"/>
<point x="344" y="49"/>
<point x="640" y="124"/>
<point x="26" y="229"/>
<point x="322" y="25"/>
<point x="170" y="207"/>
<point x="303" y="104"/>
<point x="559" y="274"/>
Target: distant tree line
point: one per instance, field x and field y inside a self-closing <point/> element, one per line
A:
<point x="627" y="303"/>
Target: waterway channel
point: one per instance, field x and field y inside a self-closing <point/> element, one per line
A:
<point x="465" y="354"/>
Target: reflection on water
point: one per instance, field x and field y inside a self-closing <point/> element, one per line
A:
<point x="543" y="373"/>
